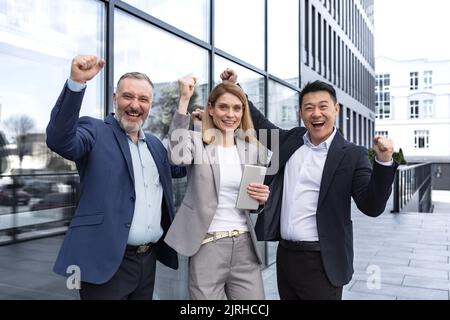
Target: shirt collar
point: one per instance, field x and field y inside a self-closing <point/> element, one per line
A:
<point x="141" y="135"/>
<point x="323" y="145"/>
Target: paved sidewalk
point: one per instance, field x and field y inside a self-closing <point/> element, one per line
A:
<point x="405" y="255"/>
<point x="410" y="251"/>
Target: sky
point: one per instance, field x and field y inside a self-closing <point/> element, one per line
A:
<point x="412" y="29"/>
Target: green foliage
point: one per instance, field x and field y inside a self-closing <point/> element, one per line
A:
<point x="399" y="157"/>
<point x="163" y="109"/>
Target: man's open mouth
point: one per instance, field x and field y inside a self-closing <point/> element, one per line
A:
<point x="134" y="114"/>
<point x="318" y="124"/>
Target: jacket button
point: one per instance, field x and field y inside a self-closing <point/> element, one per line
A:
<point x="132" y="198"/>
<point x="127" y="225"/>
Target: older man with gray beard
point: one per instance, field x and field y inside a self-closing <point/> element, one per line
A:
<point x="126" y="207"/>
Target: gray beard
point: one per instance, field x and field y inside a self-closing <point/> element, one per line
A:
<point x="129" y="127"/>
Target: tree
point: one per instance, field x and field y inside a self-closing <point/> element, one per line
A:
<point x="3" y="153"/>
<point x="20" y="126"/>
<point x="398" y="156"/>
<point x="163" y="110"/>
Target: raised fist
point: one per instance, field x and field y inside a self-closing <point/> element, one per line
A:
<point x="384" y="148"/>
<point x="84" y="68"/>
<point x="186" y="86"/>
<point x="229" y="75"/>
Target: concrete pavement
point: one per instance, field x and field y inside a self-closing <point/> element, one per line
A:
<point x="397" y="256"/>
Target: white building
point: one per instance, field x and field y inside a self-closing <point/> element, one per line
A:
<point x="413" y="107"/>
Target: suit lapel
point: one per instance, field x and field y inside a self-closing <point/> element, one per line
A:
<point x="334" y="158"/>
<point x="285" y="151"/>
<point x="213" y="157"/>
<point x="122" y="140"/>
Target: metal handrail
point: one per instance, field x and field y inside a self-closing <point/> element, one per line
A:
<point x="411" y="181"/>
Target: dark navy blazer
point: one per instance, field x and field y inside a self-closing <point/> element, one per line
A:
<point x="98" y="232"/>
<point x="347" y="174"/>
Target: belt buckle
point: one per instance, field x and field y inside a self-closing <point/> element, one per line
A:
<point x="234" y="233"/>
<point x="143" y="248"/>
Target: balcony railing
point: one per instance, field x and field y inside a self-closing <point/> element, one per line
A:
<point x="412" y="188"/>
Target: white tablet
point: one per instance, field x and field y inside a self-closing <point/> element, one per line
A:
<point x="251" y="174"/>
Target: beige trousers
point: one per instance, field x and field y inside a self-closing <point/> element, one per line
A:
<point x="226" y="269"/>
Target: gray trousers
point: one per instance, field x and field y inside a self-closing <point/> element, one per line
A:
<point x="226" y="269"/>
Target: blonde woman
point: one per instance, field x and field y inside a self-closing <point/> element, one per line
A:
<point x="219" y="238"/>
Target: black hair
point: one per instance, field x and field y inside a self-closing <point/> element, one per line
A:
<point x="318" y="86"/>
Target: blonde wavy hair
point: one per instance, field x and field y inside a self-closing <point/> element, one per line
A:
<point x="245" y="131"/>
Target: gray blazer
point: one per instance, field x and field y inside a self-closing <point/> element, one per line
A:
<point x="200" y="202"/>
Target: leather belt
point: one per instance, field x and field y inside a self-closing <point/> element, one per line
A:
<point x="143" y="248"/>
<point x="301" y="245"/>
<point x="213" y="236"/>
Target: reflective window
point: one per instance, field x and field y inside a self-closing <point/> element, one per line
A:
<point x="413" y="80"/>
<point x="251" y="82"/>
<point x="283" y="51"/>
<point x="38" y="40"/>
<point x="421" y="139"/>
<point x="427" y="109"/>
<point x="383" y="96"/>
<point x="192" y="17"/>
<point x="239" y="29"/>
<point x="428" y="80"/>
<point x="283" y="106"/>
<point x="163" y="64"/>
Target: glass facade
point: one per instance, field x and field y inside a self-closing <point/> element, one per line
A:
<point x="193" y="17"/>
<point x="283" y="52"/>
<point x="266" y="41"/>
<point x="38" y="40"/>
<point x="241" y="32"/>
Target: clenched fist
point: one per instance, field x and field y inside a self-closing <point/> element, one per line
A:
<point x="186" y="87"/>
<point x="84" y="68"/>
<point x="229" y="75"/>
<point x="384" y="148"/>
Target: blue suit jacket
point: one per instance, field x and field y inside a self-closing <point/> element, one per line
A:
<point x="347" y="174"/>
<point x="98" y="232"/>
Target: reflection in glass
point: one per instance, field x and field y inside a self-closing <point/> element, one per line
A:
<point x="251" y="82"/>
<point x="192" y="15"/>
<point x="283" y="51"/>
<point x="283" y="106"/>
<point x="239" y="29"/>
<point x="38" y="40"/>
<point x="32" y="203"/>
<point x="163" y="64"/>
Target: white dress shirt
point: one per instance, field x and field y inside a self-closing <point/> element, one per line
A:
<point x="227" y="216"/>
<point x="146" y="224"/>
<point x="301" y="188"/>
